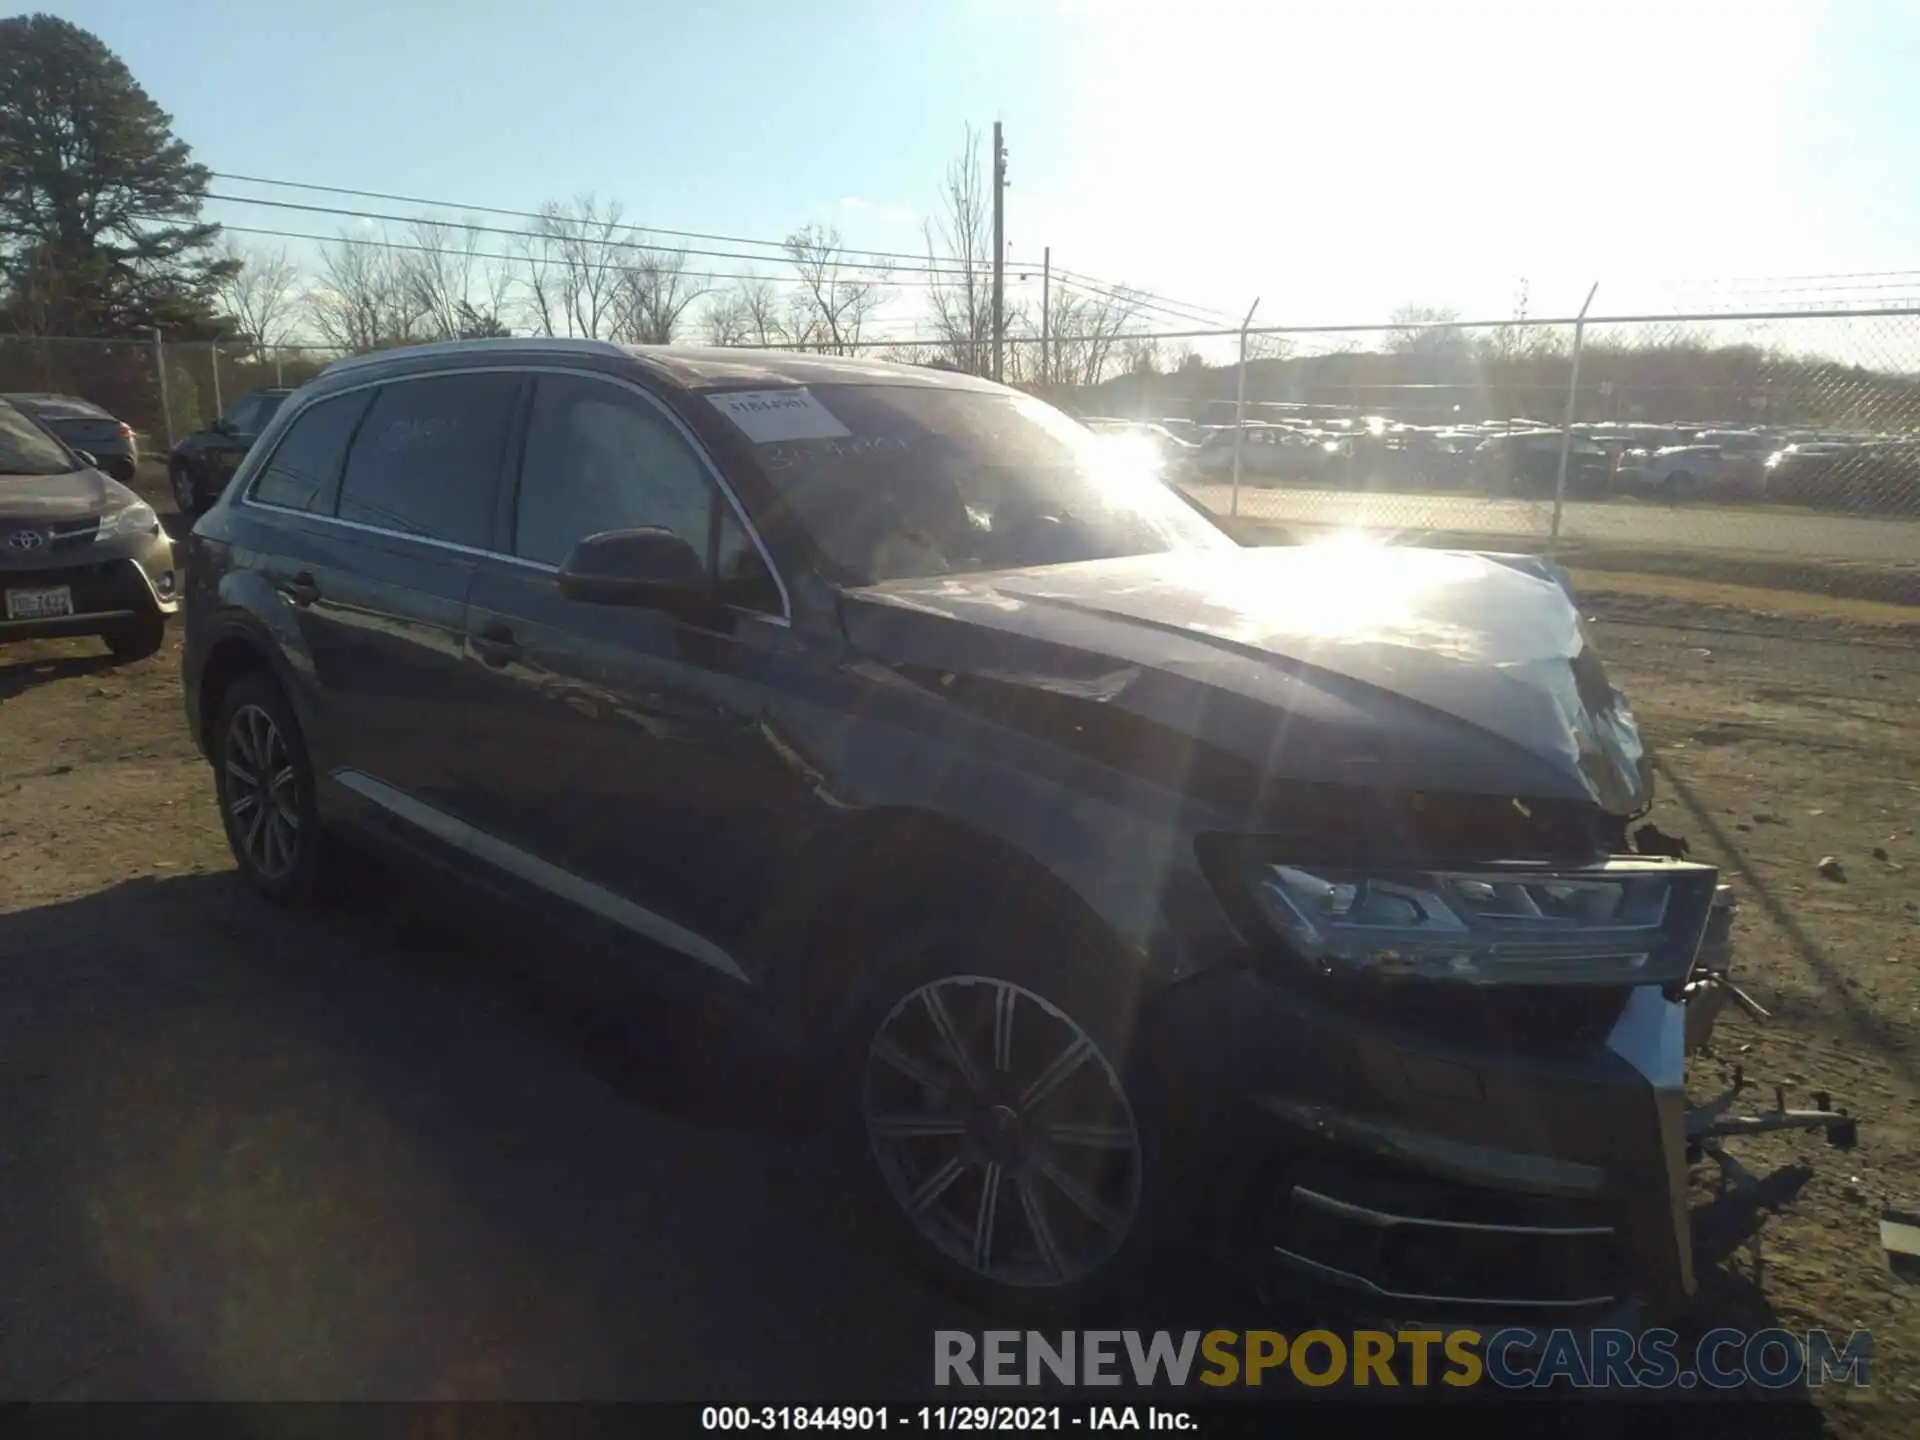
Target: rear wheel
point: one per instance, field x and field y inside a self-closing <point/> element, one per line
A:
<point x="991" y="1122"/>
<point x="137" y="642"/>
<point x="1679" y="486"/>
<point x="264" y="784"/>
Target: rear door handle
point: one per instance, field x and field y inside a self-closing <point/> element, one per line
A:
<point x="495" y="645"/>
<point x="302" y="589"/>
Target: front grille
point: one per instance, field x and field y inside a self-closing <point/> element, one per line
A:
<point x="56" y="535"/>
<point x="1522" y="1019"/>
<point x="1401" y="1236"/>
<point x="105" y="585"/>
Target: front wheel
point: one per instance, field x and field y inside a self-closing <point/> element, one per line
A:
<point x="993" y="1125"/>
<point x="1679" y="486"/>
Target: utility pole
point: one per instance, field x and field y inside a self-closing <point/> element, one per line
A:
<point x="999" y="251"/>
<point x="1240" y="404"/>
<point x="1046" y="319"/>
<point x="1566" y="428"/>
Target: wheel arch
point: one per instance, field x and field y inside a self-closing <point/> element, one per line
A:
<point x="888" y="866"/>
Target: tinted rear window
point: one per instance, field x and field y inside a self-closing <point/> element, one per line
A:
<point x="304" y="473"/>
<point x="428" y="455"/>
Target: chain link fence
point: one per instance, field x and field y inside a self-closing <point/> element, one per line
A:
<point x="164" y="390"/>
<point x="1782" y="439"/>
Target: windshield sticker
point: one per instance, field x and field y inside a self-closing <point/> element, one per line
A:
<point x="768" y="416"/>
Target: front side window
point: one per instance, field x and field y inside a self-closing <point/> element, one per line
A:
<point x="600" y="458"/>
<point x="304" y="473"/>
<point x="909" y="481"/>
<point x="428" y="456"/>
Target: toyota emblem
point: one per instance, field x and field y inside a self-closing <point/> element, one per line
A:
<point x="26" y="540"/>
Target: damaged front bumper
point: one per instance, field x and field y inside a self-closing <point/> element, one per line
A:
<point x="1539" y="1178"/>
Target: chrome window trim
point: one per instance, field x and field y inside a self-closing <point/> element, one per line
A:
<point x="286" y="422"/>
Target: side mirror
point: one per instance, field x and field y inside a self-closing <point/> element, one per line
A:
<point x="88" y="459"/>
<point x="651" y="568"/>
<point x="220" y="427"/>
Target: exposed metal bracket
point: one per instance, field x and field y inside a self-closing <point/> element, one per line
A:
<point x="1711" y="1122"/>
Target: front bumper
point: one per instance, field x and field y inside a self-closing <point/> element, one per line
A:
<point x="1416" y="1175"/>
<point x="119" y="582"/>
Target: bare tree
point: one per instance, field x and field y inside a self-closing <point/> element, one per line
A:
<point x="260" y="296"/>
<point x="448" y="280"/>
<point x="363" y="300"/>
<point x="654" y="295"/>
<point x="724" y="319"/>
<point x="837" y="297"/>
<point x="1424" y="330"/>
<point x="760" y="304"/>
<point x="1086" y="330"/>
<point x="573" y="265"/>
<point x="960" y="240"/>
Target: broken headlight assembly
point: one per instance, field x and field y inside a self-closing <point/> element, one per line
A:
<point x="1627" y="921"/>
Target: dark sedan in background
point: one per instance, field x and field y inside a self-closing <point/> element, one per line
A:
<point x="200" y="465"/>
<point x="83" y="425"/>
<point x="80" y="554"/>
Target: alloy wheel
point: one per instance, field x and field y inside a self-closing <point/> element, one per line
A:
<point x="1002" y="1132"/>
<point x="262" y="792"/>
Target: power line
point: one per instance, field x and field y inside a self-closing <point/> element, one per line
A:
<point x="853" y="256"/>
<point x="1179" y="309"/>
<point x="1128" y="297"/>
<point x="536" y="215"/>
<point x="921" y="284"/>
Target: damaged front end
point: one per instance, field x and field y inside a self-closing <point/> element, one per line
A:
<point x="1707" y="993"/>
<point x="1491" y="1121"/>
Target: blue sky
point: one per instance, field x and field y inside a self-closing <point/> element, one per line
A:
<point x="1335" y="159"/>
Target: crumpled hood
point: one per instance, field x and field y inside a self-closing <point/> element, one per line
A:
<point x="72" y="496"/>
<point x="1440" y="670"/>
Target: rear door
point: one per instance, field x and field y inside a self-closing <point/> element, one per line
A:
<point x="414" y="515"/>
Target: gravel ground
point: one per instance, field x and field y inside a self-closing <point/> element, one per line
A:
<point x="248" y="1155"/>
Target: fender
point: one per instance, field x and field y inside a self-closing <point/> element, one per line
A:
<point x="251" y="611"/>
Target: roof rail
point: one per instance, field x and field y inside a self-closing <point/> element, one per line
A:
<point x="555" y="344"/>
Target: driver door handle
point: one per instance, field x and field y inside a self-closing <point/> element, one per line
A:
<point x="495" y="645"/>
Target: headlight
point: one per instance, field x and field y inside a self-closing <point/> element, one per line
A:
<point x="137" y="519"/>
<point x="1625" y="922"/>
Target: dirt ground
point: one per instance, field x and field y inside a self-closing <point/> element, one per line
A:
<point x="124" y="945"/>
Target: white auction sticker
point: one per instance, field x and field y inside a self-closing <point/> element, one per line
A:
<point x="766" y="416"/>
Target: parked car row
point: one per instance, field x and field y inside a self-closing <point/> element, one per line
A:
<point x="1522" y="457"/>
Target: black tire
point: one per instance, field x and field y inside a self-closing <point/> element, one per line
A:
<point x="1069" y="1259"/>
<point x="292" y="871"/>
<point x="186" y="490"/>
<point x="121" y="470"/>
<point x="137" y="641"/>
<point x="1678" y="486"/>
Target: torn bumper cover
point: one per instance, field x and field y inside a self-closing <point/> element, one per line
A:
<point x="1525" y="1159"/>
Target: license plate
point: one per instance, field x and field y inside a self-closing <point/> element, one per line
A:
<point x="45" y="604"/>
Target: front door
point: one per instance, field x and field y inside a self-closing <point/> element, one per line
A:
<point x="628" y="767"/>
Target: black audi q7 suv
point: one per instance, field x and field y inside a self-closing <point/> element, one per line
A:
<point x="1119" y="886"/>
